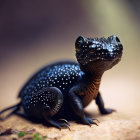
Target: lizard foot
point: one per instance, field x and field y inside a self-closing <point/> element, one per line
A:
<point x="58" y="125"/>
<point x="88" y="121"/>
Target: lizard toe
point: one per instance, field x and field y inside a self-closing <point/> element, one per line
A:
<point x="88" y="121"/>
<point x="65" y="121"/>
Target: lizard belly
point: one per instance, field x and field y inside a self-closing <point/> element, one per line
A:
<point x="89" y="93"/>
<point x="89" y="96"/>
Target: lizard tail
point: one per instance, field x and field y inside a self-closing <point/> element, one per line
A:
<point x="14" y="109"/>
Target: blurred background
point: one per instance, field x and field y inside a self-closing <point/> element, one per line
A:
<point x="34" y="33"/>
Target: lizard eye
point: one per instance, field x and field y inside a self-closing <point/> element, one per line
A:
<point x="79" y="42"/>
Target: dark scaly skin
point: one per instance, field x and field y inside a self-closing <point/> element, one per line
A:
<point x="63" y="89"/>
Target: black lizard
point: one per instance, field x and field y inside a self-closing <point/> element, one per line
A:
<point x="64" y="88"/>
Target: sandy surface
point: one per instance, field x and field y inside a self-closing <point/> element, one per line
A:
<point x="113" y="126"/>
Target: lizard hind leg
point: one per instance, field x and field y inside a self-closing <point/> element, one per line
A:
<point x="44" y="105"/>
<point x="57" y="98"/>
<point x="54" y="102"/>
<point x="46" y="101"/>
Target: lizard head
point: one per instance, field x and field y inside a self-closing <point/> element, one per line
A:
<point x="98" y="54"/>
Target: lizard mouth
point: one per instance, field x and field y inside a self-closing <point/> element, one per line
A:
<point x="98" y="49"/>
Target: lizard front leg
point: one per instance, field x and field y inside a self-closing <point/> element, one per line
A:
<point x="77" y="107"/>
<point x="101" y="107"/>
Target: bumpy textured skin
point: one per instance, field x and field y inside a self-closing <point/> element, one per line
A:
<point x="63" y="89"/>
<point x="62" y="75"/>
